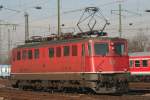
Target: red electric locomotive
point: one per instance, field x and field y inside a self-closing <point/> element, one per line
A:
<point x="140" y="66"/>
<point x="100" y="63"/>
<point x="77" y="62"/>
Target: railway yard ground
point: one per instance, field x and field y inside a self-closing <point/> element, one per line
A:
<point x="138" y="91"/>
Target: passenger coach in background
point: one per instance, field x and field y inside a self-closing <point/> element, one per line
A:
<point x="140" y="66"/>
<point x="5" y="71"/>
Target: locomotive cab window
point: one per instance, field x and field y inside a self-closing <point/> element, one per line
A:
<point x="119" y="48"/>
<point x="137" y="63"/>
<point x="101" y="48"/>
<point x="145" y="63"/>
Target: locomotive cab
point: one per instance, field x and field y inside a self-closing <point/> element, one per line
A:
<point x="109" y="62"/>
<point x="109" y="50"/>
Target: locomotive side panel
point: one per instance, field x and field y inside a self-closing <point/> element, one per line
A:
<point x="56" y="62"/>
<point x="42" y="61"/>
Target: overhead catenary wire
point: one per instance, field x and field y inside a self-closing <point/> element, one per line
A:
<point x="67" y="12"/>
<point x="15" y="11"/>
<point x="71" y="11"/>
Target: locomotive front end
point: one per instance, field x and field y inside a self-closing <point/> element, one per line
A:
<point x="109" y="62"/>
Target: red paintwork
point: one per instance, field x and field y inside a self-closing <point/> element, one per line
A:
<point x="141" y="69"/>
<point x="90" y="63"/>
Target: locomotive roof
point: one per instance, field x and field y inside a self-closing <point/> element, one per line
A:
<point x="33" y="44"/>
<point x="139" y="54"/>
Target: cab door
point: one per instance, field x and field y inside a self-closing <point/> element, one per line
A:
<point x="83" y="59"/>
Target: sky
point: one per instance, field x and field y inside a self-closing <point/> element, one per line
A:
<point x="44" y="22"/>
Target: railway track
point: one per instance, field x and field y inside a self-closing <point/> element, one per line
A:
<point x="14" y="94"/>
<point x="9" y="93"/>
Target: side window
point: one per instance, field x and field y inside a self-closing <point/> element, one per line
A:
<point x="74" y="50"/>
<point x="24" y="53"/>
<point x="36" y="53"/>
<point x="131" y="63"/>
<point x="83" y="49"/>
<point x="66" y="50"/>
<point x="144" y="63"/>
<point x="6" y="70"/>
<point x="89" y="49"/>
<point x="30" y="54"/>
<point x="58" y="52"/>
<point x="18" y="55"/>
<point x="51" y="52"/>
<point x="137" y="63"/>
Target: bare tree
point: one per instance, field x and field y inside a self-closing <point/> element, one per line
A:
<point x="139" y="42"/>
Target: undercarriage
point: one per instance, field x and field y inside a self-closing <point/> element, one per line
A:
<point x="98" y="83"/>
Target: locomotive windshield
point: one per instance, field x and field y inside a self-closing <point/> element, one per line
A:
<point x="120" y="48"/>
<point x="101" y="48"/>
